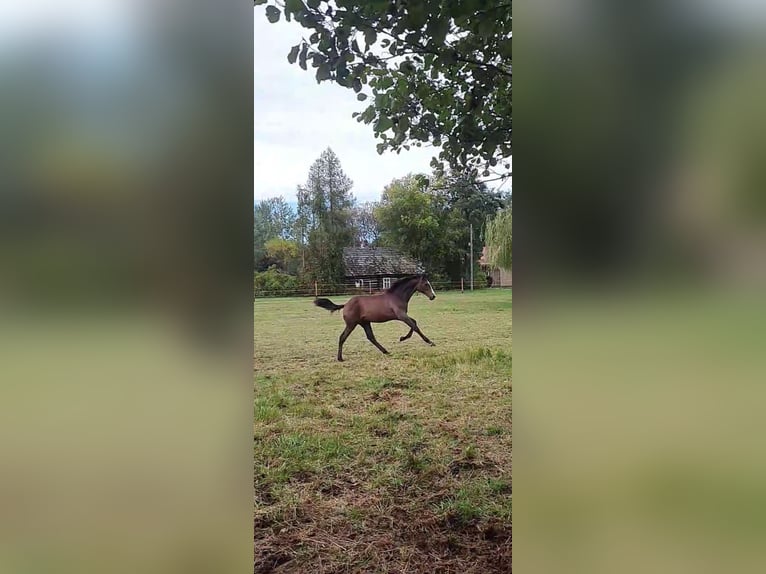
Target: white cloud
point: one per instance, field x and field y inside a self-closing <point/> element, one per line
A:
<point x="296" y="118"/>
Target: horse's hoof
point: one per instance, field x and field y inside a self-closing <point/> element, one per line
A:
<point x="340" y="360"/>
<point x="432" y="344"/>
<point x="401" y="339"/>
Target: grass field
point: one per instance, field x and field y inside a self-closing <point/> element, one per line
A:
<point x="384" y="464"/>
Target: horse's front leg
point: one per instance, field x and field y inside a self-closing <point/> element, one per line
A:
<point x="407" y="336"/>
<point x="413" y="325"/>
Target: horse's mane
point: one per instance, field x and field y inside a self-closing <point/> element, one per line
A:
<point x="399" y="283"/>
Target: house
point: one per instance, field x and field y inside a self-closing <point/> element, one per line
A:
<point x="375" y="268"/>
<point x="498" y="277"/>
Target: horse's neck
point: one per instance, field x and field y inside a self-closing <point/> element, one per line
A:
<point x="408" y="291"/>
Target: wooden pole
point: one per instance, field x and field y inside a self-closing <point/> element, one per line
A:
<point x="472" y="257"/>
<point x="316" y="290"/>
<point x="462" y="287"/>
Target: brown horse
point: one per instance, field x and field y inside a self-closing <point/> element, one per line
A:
<point x="390" y="305"/>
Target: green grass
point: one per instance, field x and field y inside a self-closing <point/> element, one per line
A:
<point x="384" y="463"/>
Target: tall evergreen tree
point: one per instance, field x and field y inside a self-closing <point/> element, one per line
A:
<point x="325" y="210"/>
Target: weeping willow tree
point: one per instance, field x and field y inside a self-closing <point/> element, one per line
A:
<point x="499" y="240"/>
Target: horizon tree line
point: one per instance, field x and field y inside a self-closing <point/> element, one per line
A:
<point x="427" y="218"/>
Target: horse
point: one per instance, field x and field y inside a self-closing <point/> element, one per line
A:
<point x="389" y="305"/>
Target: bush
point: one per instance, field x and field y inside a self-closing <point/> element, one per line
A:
<point x="275" y="282"/>
<point x="479" y="280"/>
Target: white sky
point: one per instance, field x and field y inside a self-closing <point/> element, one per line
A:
<point x="296" y="119"/>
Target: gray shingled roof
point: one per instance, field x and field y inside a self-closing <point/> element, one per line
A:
<point x="360" y="261"/>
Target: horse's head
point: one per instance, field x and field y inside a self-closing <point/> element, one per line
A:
<point x="424" y="287"/>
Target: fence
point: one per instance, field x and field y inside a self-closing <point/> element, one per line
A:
<point x="326" y="290"/>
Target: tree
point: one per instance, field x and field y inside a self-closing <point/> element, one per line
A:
<point x="304" y="217"/>
<point x="366" y="229"/>
<point x="284" y="218"/>
<point x="431" y="220"/>
<point x="284" y="252"/>
<point x="499" y="239"/>
<point x="409" y="220"/>
<point x="438" y="72"/>
<point x="272" y="217"/>
<point x="325" y="206"/>
<point x="473" y="203"/>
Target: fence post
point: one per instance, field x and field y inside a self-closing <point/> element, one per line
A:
<point x="461" y="286"/>
<point x="316" y="290"/>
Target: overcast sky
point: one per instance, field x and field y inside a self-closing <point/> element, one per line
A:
<point x="296" y="118"/>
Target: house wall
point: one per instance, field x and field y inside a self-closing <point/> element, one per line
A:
<point x="501" y="278"/>
<point x="376" y="281"/>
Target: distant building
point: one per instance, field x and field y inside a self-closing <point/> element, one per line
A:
<point x="375" y="268"/>
<point x="498" y="277"/>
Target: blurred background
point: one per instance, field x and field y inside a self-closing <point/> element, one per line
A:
<point x="639" y="309"/>
<point x="125" y="278"/>
<point x="125" y="286"/>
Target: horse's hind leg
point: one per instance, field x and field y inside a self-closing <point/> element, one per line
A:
<point x="343" y="336"/>
<point x="368" y="331"/>
<point x="407" y="336"/>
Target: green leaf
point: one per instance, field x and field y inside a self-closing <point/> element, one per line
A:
<point x="412" y="38"/>
<point x="313" y="4"/>
<point x="384" y="123"/>
<point x="416" y="17"/>
<point x="323" y="72"/>
<point x="368" y="115"/>
<point x="438" y="29"/>
<point x="370" y="36"/>
<point x="302" y="57"/>
<point x="259" y="2"/>
<point x="382" y="100"/>
<point x="506" y="49"/>
<point x="361" y="97"/>
<point x="272" y="14"/>
<point x="486" y="27"/>
<point x="293" y="55"/>
<point x="293" y="6"/>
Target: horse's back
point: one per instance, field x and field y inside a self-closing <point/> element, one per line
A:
<point x="369" y="308"/>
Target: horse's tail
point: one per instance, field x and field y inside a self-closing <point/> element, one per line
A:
<point x="327" y="304"/>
